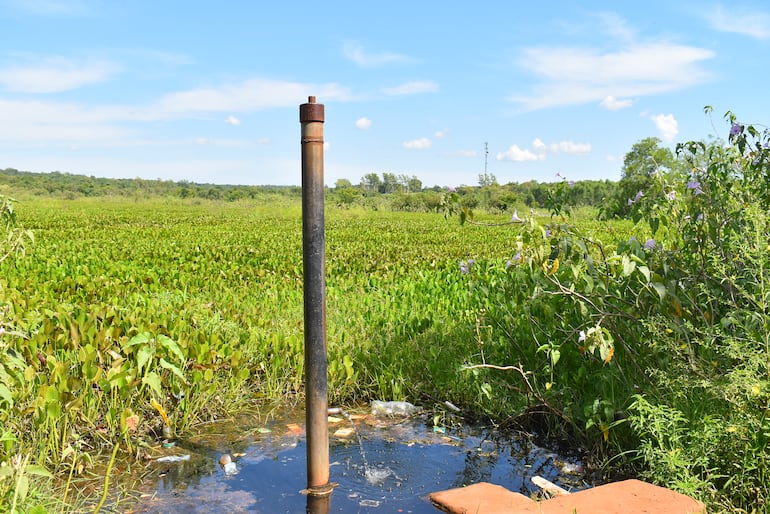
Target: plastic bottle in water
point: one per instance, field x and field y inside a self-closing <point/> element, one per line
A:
<point x="380" y="408"/>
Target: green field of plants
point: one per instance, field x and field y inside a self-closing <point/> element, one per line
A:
<point x="644" y="341"/>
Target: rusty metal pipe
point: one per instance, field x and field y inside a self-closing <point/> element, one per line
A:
<point x="311" y="117"/>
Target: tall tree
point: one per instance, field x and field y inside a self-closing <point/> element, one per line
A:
<point x="641" y="163"/>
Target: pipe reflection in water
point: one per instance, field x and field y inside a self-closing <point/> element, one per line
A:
<point x="317" y="504"/>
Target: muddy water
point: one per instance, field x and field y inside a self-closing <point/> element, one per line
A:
<point x="405" y="460"/>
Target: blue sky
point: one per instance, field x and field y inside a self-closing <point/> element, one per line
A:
<point x="209" y="91"/>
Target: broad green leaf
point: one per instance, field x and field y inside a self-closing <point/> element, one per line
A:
<point x="153" y="381"/>
<point x="34" y="469"/>
<point x="141" y="338"/>
<point x="661" y="290"/>
<point x="176" y="371"/>
<point x="143" y="356"/>
<point x="171" y="346"/>
<point x="6" y="395"/>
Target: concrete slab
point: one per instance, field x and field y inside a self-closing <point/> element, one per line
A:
<point x="626" y="497"/>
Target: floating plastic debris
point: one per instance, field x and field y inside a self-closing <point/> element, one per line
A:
<point x="173" y="458"/>
<point x="380" y="408"/>
<point x="228" y="466"/>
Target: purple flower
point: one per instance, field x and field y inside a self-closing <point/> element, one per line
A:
<point x="450" y="189"/>
<point x="508" y="263"/>
<point x="465" y="266"/>
<point x="548" y="232"/>
<point x="736" y="129"/>
<point x="515" y="218"/>
<point x="638" y="196"/>
<point x="649" y="244"/>
<point x="671" y="196"/>
<point x="571" y="183"/>
<point x="582" y="336"/>
<point x="630" y="202"/>
<point x="695" y="186"/>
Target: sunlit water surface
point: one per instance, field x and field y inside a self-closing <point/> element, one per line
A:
<point x="403" y="461"/>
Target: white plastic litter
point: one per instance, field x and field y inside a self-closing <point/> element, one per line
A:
<point x="380" y="408"/>
<point x="173" y="458"/>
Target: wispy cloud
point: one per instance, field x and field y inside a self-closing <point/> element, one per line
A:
<point x="570" y="76"/>
<point x="754" y="23"/>
<point x="418" y="144"/>
<point x="54" y="75"/>
<point x="36" y="120"/>
<point x="356" y="53"/>
<point x="412" y="88"/>
<point x="616" y="26"/>
<point x="631" y="68"/>
<point x="615" y="104"/>
<point x="249" y="95"/>
<point x="232" y="120"/>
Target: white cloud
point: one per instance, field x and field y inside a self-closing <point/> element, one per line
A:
<point x="232" y="120"/>
<point x="615" y="104"/>
<point x="570" y="147"/>
<point x="264" y="141"/>
<point x="441" y="133"/>
<point x="571" y="76"/>
<point x="363" y="123"/>
<point x="754" y="24"/>
<point x="249" y="95"/>
<point x="71" y="122"/>
<point x="667" y="125"/>
<point x="516" y="154"/>
<point x="55" y="75"/>
<point x="418" y="144"/>
<point x="540" y="150"/>
<point x="412" y="88"/>
<point x="356" y="53"/>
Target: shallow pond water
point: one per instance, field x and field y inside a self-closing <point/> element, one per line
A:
<point x="403" y="460"/>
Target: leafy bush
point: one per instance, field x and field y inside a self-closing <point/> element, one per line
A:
<point x="654" y="349"/>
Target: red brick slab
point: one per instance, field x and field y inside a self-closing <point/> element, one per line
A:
<point x="626" y="497"/>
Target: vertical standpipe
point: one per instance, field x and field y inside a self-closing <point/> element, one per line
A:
<point x="311" y="117"/>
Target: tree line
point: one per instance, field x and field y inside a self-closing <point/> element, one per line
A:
<point x="403" y="192"/>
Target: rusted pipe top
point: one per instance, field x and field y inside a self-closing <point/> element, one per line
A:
<point x="311" y="111"/>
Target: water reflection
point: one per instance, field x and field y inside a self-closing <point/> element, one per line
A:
<point x="405" y="461"/>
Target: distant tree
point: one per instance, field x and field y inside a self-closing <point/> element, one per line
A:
<point x="371" y="182"/>
<point x="414" y="184"/>
<point x="487" y="179"/>
<point x="389" y="183"/>
<point x="641" y="163"/>
<point x="342" y="183"/>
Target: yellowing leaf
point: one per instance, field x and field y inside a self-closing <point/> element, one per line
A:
<point x="555" y="266"/>
<point x="158" y="407"/>
<point x="677" y="308"/>
<point x="609" y="355"/>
